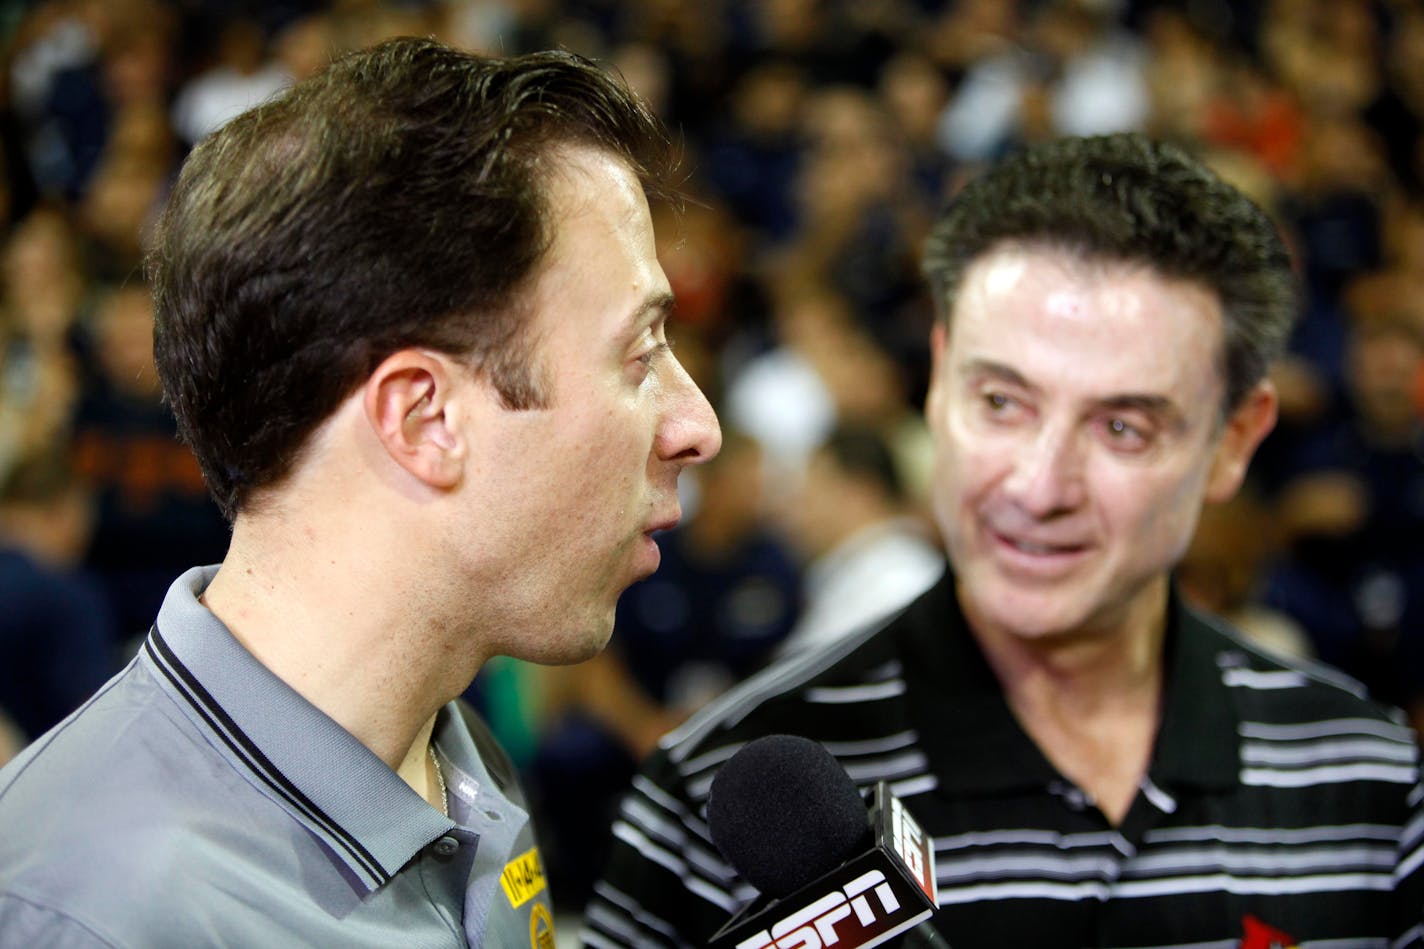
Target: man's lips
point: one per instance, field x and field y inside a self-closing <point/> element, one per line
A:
<point x="666" y="523"/>
<point x="650" y="545"/>
<point x="1036" y="556"/>
<point x="1038" y="547"/>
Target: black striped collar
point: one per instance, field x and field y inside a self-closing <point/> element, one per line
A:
<point x="288" y="749"/>
<point x="975" y="745"/>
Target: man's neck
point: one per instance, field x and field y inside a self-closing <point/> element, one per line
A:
<point x="338" y="632"/>
<point x="1090" y="699"/>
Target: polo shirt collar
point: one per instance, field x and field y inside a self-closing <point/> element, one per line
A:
<point x="980" y="748"/>
<point x="287" y="748"/>
<point x="1199" y="742"/>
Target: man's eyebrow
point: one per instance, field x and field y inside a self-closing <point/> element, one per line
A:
<point x="653" y="309"/>
<point x="1157" y="404"/>
<point x="988" y="367"/>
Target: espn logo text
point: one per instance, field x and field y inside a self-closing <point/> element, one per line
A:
<point x="848" y="914"/>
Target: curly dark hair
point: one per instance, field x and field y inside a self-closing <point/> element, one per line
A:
<point x="396" y="199"/>
<point x="1126" y="197"/>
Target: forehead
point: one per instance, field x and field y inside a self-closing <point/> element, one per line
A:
<point x="593" y="195"/>
<point x="601" y="261"/>
<point x="1096" y="325"/>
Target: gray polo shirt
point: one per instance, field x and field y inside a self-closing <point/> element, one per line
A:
<point x="197" y="800"/>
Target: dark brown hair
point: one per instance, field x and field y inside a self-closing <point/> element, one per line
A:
<point x="396" y="199"/>
<point x="1128" y="198"/>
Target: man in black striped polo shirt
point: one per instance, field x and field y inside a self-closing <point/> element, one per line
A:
<point x="1098" y="764"/>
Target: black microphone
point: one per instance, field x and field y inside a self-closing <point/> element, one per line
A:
<point x="787" y="817"/>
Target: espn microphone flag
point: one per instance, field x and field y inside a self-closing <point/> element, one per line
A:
<point x="866" y="901"/>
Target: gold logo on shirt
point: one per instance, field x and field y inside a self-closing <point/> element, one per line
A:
<point x="541" y="928"/>
<point x="523" y="878"/>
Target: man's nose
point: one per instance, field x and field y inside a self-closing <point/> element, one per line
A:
<point x="689" y="432"/>
<point x="1047" y="477"/>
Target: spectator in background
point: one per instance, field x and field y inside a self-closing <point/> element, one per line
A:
<point x="153" y="512"/>
<point x="859" y="222"/>
<point x="866" y="551"/>
<point x="127" y="190"/>
<point x="1095" y="80"/>
<point x="913" y="92"/>
<point x="1247" y="112"/>
<point x="1224" y="569"/>
<point x="242" y="76"/>
<point x="304" y="45"/>
<point x="57" y="634"/>
<point x="1353" y="508"/>
<point x="1078" y="73"/>
<point x="55" y="92"/>
<point x="827" y="370"/>
<point x="1183" y="73"/>
<point x="1397" y="112"/>
<point x="45" y="281"/>
<point x="753" y="150"/>
<point x="781" y="397"/>
<point x="111" y="55"/>
<point x="43" y="289"/>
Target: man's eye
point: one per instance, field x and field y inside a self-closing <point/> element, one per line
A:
<point x="1124" y="435"/>
<point x="648" y="358"/>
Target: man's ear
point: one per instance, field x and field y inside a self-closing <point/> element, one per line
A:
<point x="408" y="403"/>
<point x="1249" y="423"/>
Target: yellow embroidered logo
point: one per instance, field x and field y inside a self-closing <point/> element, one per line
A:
<point x="523" y="878"/>
<point x="541" y="928"/>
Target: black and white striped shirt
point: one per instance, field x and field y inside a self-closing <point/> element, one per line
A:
<point x="1281" y="806"/>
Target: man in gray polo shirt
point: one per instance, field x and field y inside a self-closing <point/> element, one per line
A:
<point x="411" y="322"/>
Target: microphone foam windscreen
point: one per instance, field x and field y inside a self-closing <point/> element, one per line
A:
<point x="784" y="812"/>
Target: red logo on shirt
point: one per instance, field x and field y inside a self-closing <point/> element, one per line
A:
<point x="1260" y="936"/>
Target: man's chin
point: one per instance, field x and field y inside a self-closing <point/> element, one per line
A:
<point x="1037" y="615"/>
<point x="584" y="648"/>
<point x="573" y="645"/>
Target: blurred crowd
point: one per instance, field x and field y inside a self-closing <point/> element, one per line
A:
<point x="820" y="138"/>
